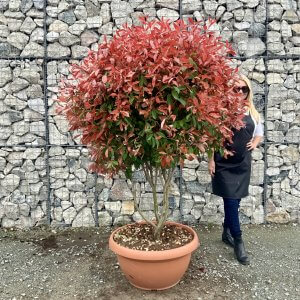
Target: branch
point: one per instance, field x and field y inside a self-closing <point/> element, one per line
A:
<point x="138" y="208"/>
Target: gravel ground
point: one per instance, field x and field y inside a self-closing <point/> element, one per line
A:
<point x="77" y="264"/>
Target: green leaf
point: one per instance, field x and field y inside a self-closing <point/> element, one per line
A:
<point x="143" y="80"/>
<point x="128" y="173"/>
<point x="131" y="99"/>
<point x="125" y="155"/>
<point x="192" y="62"/>
<point x="154" y="114"/>
<point x="175" y="94"/>
<point x="177" y="97"/>
<point x="169" y="99"/>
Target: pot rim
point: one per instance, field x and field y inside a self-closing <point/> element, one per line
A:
<point x="155" y="255"/>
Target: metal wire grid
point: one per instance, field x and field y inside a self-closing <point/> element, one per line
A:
<point x="45" y="141"/>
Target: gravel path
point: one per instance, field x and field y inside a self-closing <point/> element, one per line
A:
<point x="77" y="264"/>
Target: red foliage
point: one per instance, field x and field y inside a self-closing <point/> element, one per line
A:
<point x="158" y="93"/>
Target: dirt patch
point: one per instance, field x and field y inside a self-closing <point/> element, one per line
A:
<point x="77" y="264"/>
<point x="141" y="237"/>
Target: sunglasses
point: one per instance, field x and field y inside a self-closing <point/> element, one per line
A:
<point x="243" y="89"/>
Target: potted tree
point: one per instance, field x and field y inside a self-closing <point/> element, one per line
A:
<point x="151" y="97"/>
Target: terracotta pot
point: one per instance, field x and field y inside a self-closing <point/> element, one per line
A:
<point x="154" y="270"/>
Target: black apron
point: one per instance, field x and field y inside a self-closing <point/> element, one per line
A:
<point x="232" y="175"/>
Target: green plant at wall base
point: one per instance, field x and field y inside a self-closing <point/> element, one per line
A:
<point x="151" y="97"/>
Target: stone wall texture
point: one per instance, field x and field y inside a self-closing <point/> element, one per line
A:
<point x="44" y="176"/>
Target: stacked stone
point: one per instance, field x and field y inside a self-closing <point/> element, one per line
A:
<point x="23" y="187"/>
<point x="21" y="28"/>
<point x="283" y="125"/>
<point x="76" y="195"/>
<point x="22" y="106"/>
<point x="72" y="187"/>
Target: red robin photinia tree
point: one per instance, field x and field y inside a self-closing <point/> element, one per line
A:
<point x="152" y="96"/>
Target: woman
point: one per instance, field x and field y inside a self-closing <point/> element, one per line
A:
<point x="231" y="175"/>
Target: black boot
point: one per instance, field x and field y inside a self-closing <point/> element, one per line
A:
<point x="240" y="252"/>
<point x="227" y="238"/>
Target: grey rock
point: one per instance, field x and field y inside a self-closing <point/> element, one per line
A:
<point x="120" y="191"/>
<point x="114" y="206"/>
<point x="55" y="50"/>
<point x="67" y="17"/>
<point x="105" y="13"/>
<point x="233" y="4"/>
<point x="189" y="174"/>
<point x="69" y="214"/>
<point x="106" y="29"/>
<point x="11" y="210"/>
<point x="10" y="182"/>
<point x="104" y="218"/>
<point x="279" y="216"/>
<point x="18" y="84"/>
<point x="33" y="49"/>
<point x="6" y="76"/>
<point x="28" y="26"/>
<point x="94" y="22"/>
<point x="88" y="38"/>
<point x="255" y="47"/>
<point x="210" y="7"/>
<point x="8" y="50"/>
<point x="79" y="51"/>
<point x="146" y="202"/>
<point x="38" y="4"/>
<point x="189" y="6"/>
<point x="290" y="16"/>
<point x="37" y="35"/>
<point x="84" y="218"/>
<point x="37" y="128"/>
<point x="122" y="220"/>
<point x="79" y="200"/>
<point x="187" y="206"/>
<point x="32" y="153"/>
<point x="37" y="105"/>
<point x="195" y="187"/>
<point x="58" y="26"/>
<point x="20" y="128"/>
<point x="75" y="185"/>
<point x="78" y="27"/>
<point x="55" y="136"/>
<point x="4" y="5"/>
<point x="52" y="36"/>
<point x="293" y="135"/>
<point x="168" y="14"/>
<point x="275" y="11"/>
<point x="257" y="30"/>
<point x="260" y="14"/>
<point x="92" y="7"/>
<point x="4" y="31"/>
<point x="67" y="39"/>
<point x="120" y="9"/>
<point x="14" y="5"/>
<point x="2" y="164"/>
<point x="296" y="29"/>
<point x="30" y="75"/>
<point x="26" y="5"/>
<point x="80" y="12"/>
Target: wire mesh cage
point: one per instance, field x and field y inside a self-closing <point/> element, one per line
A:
<point x="44" y="174"/>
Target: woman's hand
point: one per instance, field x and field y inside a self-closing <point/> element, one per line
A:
<point x="212" y="167"/>
<point x="254" y="142"/>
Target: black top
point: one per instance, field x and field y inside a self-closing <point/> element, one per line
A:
<point x="232" y="174"/>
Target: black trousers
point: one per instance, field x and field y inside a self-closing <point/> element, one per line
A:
<point x="231" y="218"/>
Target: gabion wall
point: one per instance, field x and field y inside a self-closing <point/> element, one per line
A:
<point x="44" y="176"/>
